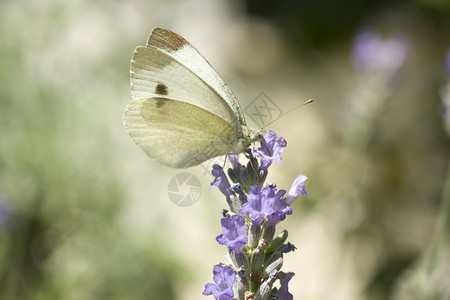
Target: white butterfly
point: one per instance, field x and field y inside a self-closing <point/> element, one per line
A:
<point x="182" y="113"/>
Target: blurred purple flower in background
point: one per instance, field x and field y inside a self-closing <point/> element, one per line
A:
<point x="445" y="95"/>
<point x="373" y="52"/>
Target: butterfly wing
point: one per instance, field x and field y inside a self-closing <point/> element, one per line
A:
<point x="176" y="133"/>
<point x="182" y="51"/>
<point x="182" y="112"/>
<point x="156" y="74"/>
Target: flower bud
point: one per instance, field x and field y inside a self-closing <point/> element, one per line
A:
<point x="263" y="293"/>
<point x="257" y="259"/>
<point x="239" y="259"/>
<point x="253" y="236"/>
<point x="277" y="242"/>
<point x="242" y="282"/>
<point x="274" y="266"/>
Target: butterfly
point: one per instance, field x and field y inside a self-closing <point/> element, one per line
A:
<point x="182" y="113"/>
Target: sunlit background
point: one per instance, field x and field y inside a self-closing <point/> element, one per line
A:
<point x="85" y="214"/>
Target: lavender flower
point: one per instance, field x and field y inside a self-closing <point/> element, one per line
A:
<point x="298" y="188"/>
<point x="224" y="278"/>
<point x="233" y="235"/>
<point x="371" y="51"/>
<point x="254" y="254"/>
<point x="280" y="209"/>
<point x="271" y="149"/>
<point x="221" y="181"/>
<point x="445" y="95"/>
<point x="259" y="205"/>
<point x="283" y="292"/>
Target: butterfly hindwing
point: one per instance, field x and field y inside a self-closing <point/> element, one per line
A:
<point x="177" y="133"/>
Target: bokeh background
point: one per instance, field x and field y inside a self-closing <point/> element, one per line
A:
<point x="84" y="213"/>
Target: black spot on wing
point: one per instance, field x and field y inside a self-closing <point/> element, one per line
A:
<point x="161" y="89"/>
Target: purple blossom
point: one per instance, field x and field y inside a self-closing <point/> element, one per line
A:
<point x="221" y="181"/>
<point x="298" y="188"/>
<point x="222" y="289"/>
<point x="233" y="235"/>
<point x="272" y="220"/>
<point x="371" y="51"/>
<point x="271" y="149"/>
<point x="259" y="204"/>
<point x="283" y="292"/>
<point x="280" y="209"/>
<point x="255" y="203"/>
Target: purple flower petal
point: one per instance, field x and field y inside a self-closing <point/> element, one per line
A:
<point x="234" y="229"/>
<point x="224" y="278"/>
<point x="298" y="188"/>
<point x="371" y="51"/>
<point x="234" y="160"/>
<point x="271" y="149"/>
<point x="221" y="181"/>
<point x="283" y="292"/>
<point x="259" y="204"/>
<point x="280" y="209"/>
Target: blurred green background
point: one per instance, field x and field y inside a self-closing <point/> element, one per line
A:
<point x="84" y="214"/>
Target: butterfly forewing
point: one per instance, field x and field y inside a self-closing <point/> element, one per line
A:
<point x="181" y="50"/>
<point x="155" y="74"/>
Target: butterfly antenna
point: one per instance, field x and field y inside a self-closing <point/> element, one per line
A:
<point x="306" y="102"/>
